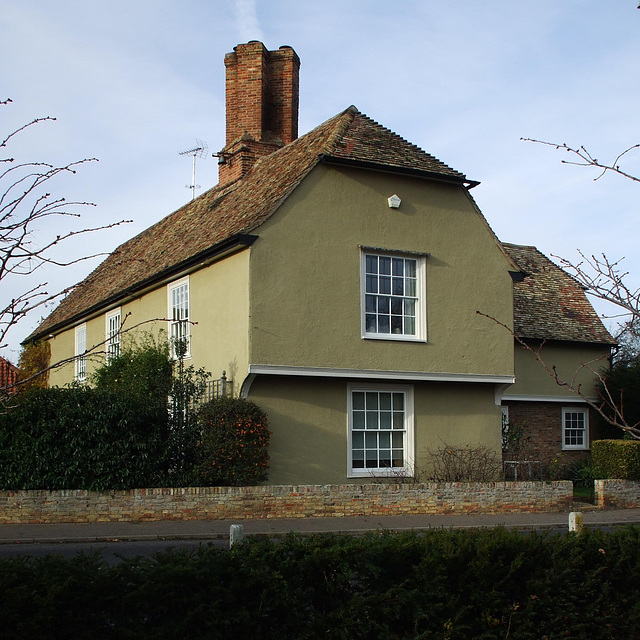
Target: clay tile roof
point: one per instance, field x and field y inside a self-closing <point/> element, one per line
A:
<point x="549" y="304"/>
<point x="222" y="213"/>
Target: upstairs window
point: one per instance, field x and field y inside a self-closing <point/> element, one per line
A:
<point x="80" y="357"/>
<point x="575" y="428"/>
<point x="114" y="326"/>
<point x="393" y="296"/>
<point x="179" y="328"/>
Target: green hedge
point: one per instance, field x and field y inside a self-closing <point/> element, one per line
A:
<point x="616" y="458"/>
<point x="453" y="585"/>
<point x="234" y="447"/>
<point x="81" y="438"/>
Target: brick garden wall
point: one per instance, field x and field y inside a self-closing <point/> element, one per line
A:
<point x="218" y="503"/>
<point x="617" y="494"/>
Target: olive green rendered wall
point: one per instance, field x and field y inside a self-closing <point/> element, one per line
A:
<point x="305" y="276"/>
<point x="308" y="418"/>
<point x="573" y="362"/>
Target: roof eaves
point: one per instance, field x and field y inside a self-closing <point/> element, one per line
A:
<point x="389" y="168"/>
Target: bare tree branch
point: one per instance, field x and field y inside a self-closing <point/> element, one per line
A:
<point x="25" y="203"/>
<point x="586" y="159"/>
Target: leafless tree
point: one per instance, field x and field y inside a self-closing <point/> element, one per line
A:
<point x="581" y="157"/>
<point x="26" y="206"/>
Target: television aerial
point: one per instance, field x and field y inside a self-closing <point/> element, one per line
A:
<point x="199" y="151"/>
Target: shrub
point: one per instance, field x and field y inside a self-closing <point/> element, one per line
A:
<point x="616" y="458"/>
<point x="465" y="464"/>
<point x="142" y="369"/>
<point x="234" y="443"/>
<point x="80" y="438"/>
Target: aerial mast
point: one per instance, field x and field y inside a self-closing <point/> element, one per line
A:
<point x="199" y="151"/>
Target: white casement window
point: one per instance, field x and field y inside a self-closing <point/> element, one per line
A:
<point x="575" y="428"/>
<point x="380" y="425"/>
<point x="393" y="296"/>
<point x="179" y="327"/>
<point x="81" y="348"/>
<point x="113" y="328"/>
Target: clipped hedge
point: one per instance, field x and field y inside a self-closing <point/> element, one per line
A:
<point x="440" y="584"/>
<point x="616" y="458"/>
<point x="81" y="438"/>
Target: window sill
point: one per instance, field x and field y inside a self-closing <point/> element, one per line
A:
<point x="393" y="337"/>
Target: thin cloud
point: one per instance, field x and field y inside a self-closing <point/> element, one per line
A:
<point x="247" y="20"/>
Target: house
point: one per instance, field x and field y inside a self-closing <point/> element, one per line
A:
<point x="554" y="322"/>
<point x="336" y="277"/>
<point x="8" y="376"/>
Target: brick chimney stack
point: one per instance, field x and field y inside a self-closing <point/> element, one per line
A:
<point x="262" y="105"/>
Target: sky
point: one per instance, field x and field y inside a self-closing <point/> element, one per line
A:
<point x="135" y="83"/>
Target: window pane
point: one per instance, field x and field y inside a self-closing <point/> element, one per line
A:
<point x="358" y="440"/>
<point x="398" y="420"/>
<point x="371" y="440"/>
<point x="372" y="419"/>
<point x="372" y="325"/>
<point x="396" y="306"/>
<point x="385" y="439"/>
<point x="383" y="304"/>
<point x="410" y="268"/>
<point x="384" y="325"/>
<point x="358" y="419"/>
<point x="385" y="285"/>
<point x="385" y="401"/>
<point x="385" y="458"/>
<point x="372" y="400"/>
<point x="396" y="324"/>
<point x="358" y="399"/>
<point x="398" y="266"/>
<point x="385" y="265"/>
<point x="385" y="419"/>
<point x="409" y="326"/>
<point x="398" y="401"/>
<point x="371" y="264"/>
<point x="372" y="284"/>
<point x="370" y="304"/>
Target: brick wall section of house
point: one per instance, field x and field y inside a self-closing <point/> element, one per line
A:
<point x="262" y="99"/>
<point x="617" y="494"/>
<point x="220" y="503"/>
<point x="8" y="375"/>
<point x="542" y="424"/>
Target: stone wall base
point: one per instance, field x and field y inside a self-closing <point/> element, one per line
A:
<point x="282" y="501"/>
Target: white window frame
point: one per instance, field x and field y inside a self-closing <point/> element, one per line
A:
<point x="113" y="326"/>
<point x="420" y="259"/>
<point x="179" y="313"/>
<point x="585" y="431"/>
<point x="80" y="351"/>
<point x="407" y="470"/>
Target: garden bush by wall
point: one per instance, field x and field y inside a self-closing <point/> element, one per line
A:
<point x="282" y="501"/>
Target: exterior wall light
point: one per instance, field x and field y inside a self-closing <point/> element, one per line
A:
<point x="394" y="202"/>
